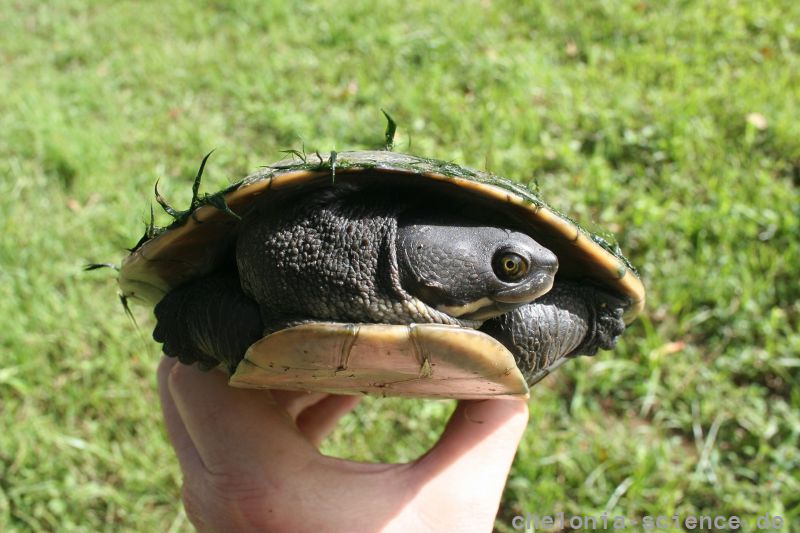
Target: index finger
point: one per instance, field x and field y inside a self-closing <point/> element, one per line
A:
<point x="234" y="430"/>
<point x="181" y="441"/>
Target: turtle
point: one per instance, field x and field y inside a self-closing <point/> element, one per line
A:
<point x="381" y="273"/>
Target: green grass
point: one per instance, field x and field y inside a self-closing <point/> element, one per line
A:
<point x="672" y="124"/>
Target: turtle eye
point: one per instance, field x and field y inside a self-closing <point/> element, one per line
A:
<point x="509" y="266"/>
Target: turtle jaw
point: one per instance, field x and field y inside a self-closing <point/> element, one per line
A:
<point x="480" y="310"/>
<point x="508" y="299"/>
<point x="538" y="285"/>
<point x="501" y="303"/>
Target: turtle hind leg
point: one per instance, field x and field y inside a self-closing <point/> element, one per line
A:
<point x="572" y="319"/>
<point x="209" y="321"/>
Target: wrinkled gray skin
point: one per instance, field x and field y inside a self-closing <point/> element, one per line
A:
<point x="377" y="256"/>
<point x="570" y="320"/>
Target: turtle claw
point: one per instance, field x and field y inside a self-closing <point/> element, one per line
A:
<point x="608" y="324"/>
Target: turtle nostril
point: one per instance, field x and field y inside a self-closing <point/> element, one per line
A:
<point x="546" y="260"/>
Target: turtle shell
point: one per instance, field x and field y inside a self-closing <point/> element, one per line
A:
<point x="200" y="239"/>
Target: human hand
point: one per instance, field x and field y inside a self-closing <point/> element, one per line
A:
<point x="250" y="461"/>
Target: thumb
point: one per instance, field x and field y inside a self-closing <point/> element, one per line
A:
<point x="470" y="463"/>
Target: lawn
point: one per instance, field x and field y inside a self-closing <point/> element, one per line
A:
<point x="673" y="125"/>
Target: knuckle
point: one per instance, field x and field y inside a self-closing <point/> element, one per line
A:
<point x="193" y="505"/>
<point x="224" y="502"/>
<point x="179" y="375"/>
<point x="249" y="504"/>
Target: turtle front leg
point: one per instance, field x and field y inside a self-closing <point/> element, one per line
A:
<point x="209" y="321"/>
<point x="570" y="320"/>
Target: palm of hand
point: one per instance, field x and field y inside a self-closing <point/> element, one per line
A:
<point x="250" y="461"/>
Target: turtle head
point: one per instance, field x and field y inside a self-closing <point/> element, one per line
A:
<point x="471" y="271"/>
